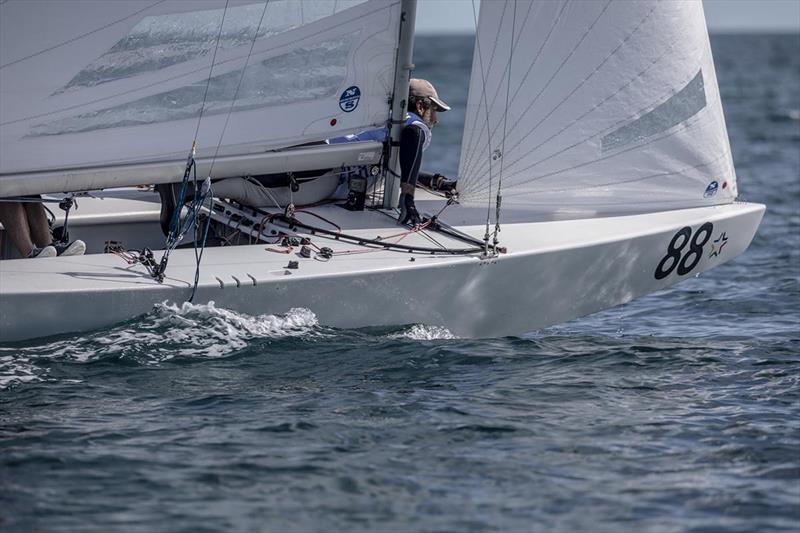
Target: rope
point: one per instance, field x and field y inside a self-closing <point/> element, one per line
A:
<point x="380" y="243"/>
<point x="177" y="229"/>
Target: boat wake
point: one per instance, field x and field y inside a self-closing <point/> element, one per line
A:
<point x="422" y="332"/>
<point x="176" y="331"/>
<point x="170" y="331"/>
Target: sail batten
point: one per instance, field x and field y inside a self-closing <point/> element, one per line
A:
<point x="613" y="104"/>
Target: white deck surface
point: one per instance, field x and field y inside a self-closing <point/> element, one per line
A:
<point x="553" y="271"/>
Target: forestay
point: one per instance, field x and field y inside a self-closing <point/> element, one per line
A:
<point x="94" y="85"/>
<point x="593" y="107"/>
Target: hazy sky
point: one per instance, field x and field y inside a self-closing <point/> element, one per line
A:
<point x="455" y="16"/>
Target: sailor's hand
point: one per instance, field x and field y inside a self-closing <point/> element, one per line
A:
<point x="441" y="183"/>
<point x="408" y="211"/>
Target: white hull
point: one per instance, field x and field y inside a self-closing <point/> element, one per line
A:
<point x="554" y="271"/>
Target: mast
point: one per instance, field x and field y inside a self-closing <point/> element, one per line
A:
<point x="402" y="74"/>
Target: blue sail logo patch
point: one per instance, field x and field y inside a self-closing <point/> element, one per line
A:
<point x="349" y="99"/>
<point x="711" y="190"/>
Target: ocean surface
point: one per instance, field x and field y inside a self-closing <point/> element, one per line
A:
<point x="676" y="412"/>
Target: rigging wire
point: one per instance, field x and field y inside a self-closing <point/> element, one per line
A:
<point x="547" y="84"/>
<point x="238" y="85"/>
<point x="610" y="128"/>
<point x="486" y="109"/>
<point x="639" y="75"/>
<point x="211" y="70"/>
<point x="555" y="74"/>
<point x="472" y="141"/>
<point x="484" y="75"/>
<point x="178" y="230"/>
<point x="378" y="243"/>
<point x="495" y="239"/>
<point x="687" y="125"/>
<point x="599" y="104"/>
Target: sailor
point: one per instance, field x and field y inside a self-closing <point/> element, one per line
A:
<point x="26" y="224"/>
<point x="423" y="105"/>
<point x="268" y="190"/>
<point x="421" y="116"/>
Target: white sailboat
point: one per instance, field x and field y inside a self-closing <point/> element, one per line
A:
<point x="595" y="164"/>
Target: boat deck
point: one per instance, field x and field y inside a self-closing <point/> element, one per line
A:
<point x="553" y="271"/>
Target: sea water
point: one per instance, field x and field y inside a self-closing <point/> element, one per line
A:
<point x="676" y="412"/>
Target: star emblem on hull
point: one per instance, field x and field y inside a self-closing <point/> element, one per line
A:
<point x="718" y="244"/>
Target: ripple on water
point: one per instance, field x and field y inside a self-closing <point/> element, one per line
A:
<point x="170" y="331"/>
<point x="676" y="412"/>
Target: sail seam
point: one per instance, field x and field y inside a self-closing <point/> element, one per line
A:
<point x="560" y="67"/>
<point x="678" y="172"/>
<point x="211" y="70"/>
<point x="238" y="87"/>
<point x="79" y="37"/>
<point x="604" y="131"/>
<point x="583" y="82"/>
<point x="686" y="126"/>
<point x="186" y="74"/>
<point x="470" y="160"/>
<point x="470" y="144"/>
<point x="595" y="108"/>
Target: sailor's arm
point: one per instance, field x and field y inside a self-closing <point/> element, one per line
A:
<point x="411" y="144"/>
<point x="412" y="141"/>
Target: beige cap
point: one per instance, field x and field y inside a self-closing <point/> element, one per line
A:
<point x="424" y="89"/>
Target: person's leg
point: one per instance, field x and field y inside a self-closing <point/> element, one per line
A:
<point x="15" y="222"/>
<point x="37" y="222"/>
<point x="43" y="237"/>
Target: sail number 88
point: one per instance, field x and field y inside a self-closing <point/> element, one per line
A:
<point x="675" y="256"/>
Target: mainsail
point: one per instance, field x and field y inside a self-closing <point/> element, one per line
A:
<point x="91" y="91"/>
<point x="590" y="107"/>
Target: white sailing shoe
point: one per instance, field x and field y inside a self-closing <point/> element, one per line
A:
<point x="76" y="247"/>
<point x="47" y="251"/>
